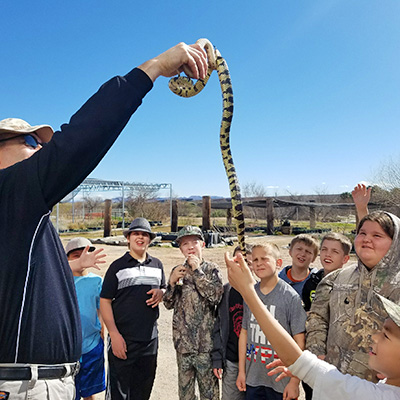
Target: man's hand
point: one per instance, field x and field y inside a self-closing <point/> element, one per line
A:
<point x="177" y="273"/>
<point x="171" y="62"/>
<point x="218" y="372"/>
<point x="156" y="297"/>
<point x="193" y="262"/>
<point x="118" y="345"/>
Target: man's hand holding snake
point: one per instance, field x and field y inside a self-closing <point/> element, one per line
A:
<point x="172" y="61"/>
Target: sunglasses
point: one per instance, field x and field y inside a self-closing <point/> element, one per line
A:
<point x="30" y="140"/>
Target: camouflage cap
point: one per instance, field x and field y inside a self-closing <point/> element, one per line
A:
<point x="190" y="230"/>
<point x="11" y="127"/>
<point x="391" y="308"/>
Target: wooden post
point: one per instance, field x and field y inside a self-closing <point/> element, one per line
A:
<point x="174" y="217"/>
<point x="228" y="217"/>
<point x="269" y="204"/>
<point x="312" y="217"/>
<point x="206" y="213"/>
<point x="107" y="218"/>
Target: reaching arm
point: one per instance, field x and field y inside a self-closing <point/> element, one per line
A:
<point x="87" y="260"/>
<point x="241" y="279"/>
<point x="361" y="196"/>
<point x="171" y="62"/>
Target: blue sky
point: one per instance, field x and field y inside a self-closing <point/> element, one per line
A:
<point x="316" y="87"/>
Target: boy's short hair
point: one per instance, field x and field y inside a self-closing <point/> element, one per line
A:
<point x="343" y="240"/>
<point x="268" y="247"/>
<point x="382" y="218"/>
<point x="308" y="240"/>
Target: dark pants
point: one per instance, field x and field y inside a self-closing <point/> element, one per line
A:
<point x="132" y="379"/>
<point x="262" y="393"/>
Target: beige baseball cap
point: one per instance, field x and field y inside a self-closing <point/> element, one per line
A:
<point x="78" y="243"/>
<point x="11" y="127"/>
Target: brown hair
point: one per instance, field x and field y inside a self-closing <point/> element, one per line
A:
<point x="268" y="247"/>
<point x="308" y="240"/>
<point x="343" y="240"/>
<point x="382" y="218"/>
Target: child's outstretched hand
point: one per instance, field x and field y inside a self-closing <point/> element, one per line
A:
<point x="87" y="260"/>
<point x="239" y="273"/>
<point x="279" y="368"/>
<point x="91" y="259"/>
<point x="361" y="197"/>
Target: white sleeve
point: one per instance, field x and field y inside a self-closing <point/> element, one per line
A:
<point x="329" y="384"/>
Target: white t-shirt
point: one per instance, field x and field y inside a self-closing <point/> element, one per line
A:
<point x="330" y="384"/>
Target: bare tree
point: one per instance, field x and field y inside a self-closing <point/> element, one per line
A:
<point x="91" y="203"/>
<point x="142" y="202"/>
<point x="254" y="189"/>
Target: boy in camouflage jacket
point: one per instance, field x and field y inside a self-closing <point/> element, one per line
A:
<point x="194" y="289"/>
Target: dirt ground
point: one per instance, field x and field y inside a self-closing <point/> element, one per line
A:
<point x="165" y="385"/>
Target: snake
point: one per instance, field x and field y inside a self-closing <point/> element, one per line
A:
<point x="183" y="86"/>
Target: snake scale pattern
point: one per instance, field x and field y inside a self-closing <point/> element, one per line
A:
<point x="183" y="86"/>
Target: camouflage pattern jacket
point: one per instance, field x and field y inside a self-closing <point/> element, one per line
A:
<point x="345" y="311"/>
<point x="194" y="304"/>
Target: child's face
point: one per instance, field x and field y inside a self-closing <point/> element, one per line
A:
<point x="371" y="243"/>
<point x="385" y="352"/>
<point x="191" y="245"/>
<point x="264" y="264"/>
<point x="302" y="255"/>
<point x="138" y="241"/>
<point x="332" y="256"/>
<point x="75" y="254"/>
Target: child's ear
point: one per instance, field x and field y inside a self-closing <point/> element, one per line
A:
<point x="345" y="259"/>
<point x="279" y="262"/>
<point x="203" y="244"/>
